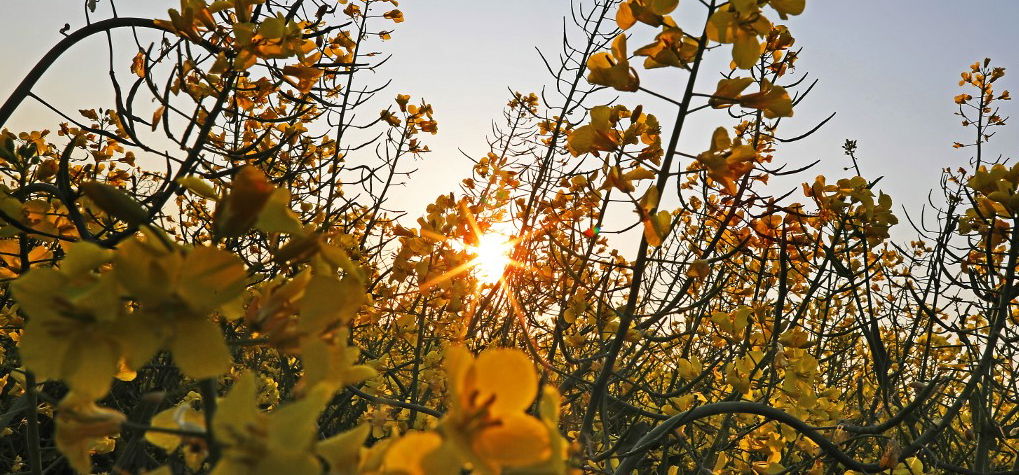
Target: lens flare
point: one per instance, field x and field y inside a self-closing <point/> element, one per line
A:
<point x="492" y="256"/>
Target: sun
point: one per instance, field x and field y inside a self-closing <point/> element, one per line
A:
<point x="492" y="253"/>
<point x="492" y="256"/>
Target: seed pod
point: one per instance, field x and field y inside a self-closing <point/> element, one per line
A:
<point x="115" y="202"/>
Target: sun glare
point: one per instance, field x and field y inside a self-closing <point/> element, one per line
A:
<point x="492" y="256"/>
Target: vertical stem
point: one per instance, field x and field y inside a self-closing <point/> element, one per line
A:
<point x="34" y="452"/>
<point x="626" y="318"/>
<point x="208" y="389"/>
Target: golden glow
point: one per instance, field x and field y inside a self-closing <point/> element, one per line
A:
<point x="492" y="256"/>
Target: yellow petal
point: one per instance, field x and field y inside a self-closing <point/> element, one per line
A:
<point x="328" y="301"/>
<point x="41" y="352"/>
<point x="457" y="362"/>
<point x="238" y="411"/>
<point x="277" y="217"/>
<point x="101" y="299"/>
<point x="84" y="256"/>
<point x="147" y="271"/>
<point x="639" y="173"/>
<point x="140" y="336"/>
<point x="728" y="91"/>
<point x="720" y="139"/>
<point x="89" y="367"/>
<point x="788" y="7"/>
<point x="237" y="212"/>
<point x="290" y="463"/>
<point x="294" y="426"/>
<point x="210" y="277"/>
<point x="624" y="16"/>
<point x="406" y="454"/>
<point x="79" y="424"/>
<point x="178" y="417"/>
<point x="663" y="7"/>
<point x="520" y="440"/>
<point x="343" y="451"/>
<point x="199" y="349"/>
<point x="650" y="235"/>
<point x="508" y="374"/>
<point x="34" y="293"/>
<point x="445" y="459"/>
<point x="746" y="50"/>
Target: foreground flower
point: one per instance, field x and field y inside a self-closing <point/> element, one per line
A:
<point x="258" y="443"/>
<point x="486" y="426"/>
<point x="72" y="332"/>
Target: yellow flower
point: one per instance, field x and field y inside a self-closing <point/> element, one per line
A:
<point x="72" y="332"/>
<point x="82" y="428"/>
<point x="772" y="100"/>
<point x="599" y="135"/>
<point x="177" y="291"/>
<point x="258" y="443"/>
<point x="613" y="69"/>
<point x="650" y="12"/>
<point x="740" y="23"/>
<point x="672" y="47"/>
<point x="726" y="161"/>
<point x="332" y="362"/>
<point x="487" y="424"/>
<point x="344" y="452"/>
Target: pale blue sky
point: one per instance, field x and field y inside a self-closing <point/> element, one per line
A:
<point x="888" y="68"/>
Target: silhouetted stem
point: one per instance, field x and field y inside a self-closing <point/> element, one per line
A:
<point x="40" y="68"/>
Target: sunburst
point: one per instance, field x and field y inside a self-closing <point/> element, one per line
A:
<point x="491" y="256"/>
<point x="493" y="253"/>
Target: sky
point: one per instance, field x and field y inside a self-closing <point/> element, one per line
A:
<point x="888" y="69"/>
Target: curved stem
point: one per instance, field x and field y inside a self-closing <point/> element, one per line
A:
<point x="40" y="68"/>
<point x="740" y="407"/>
